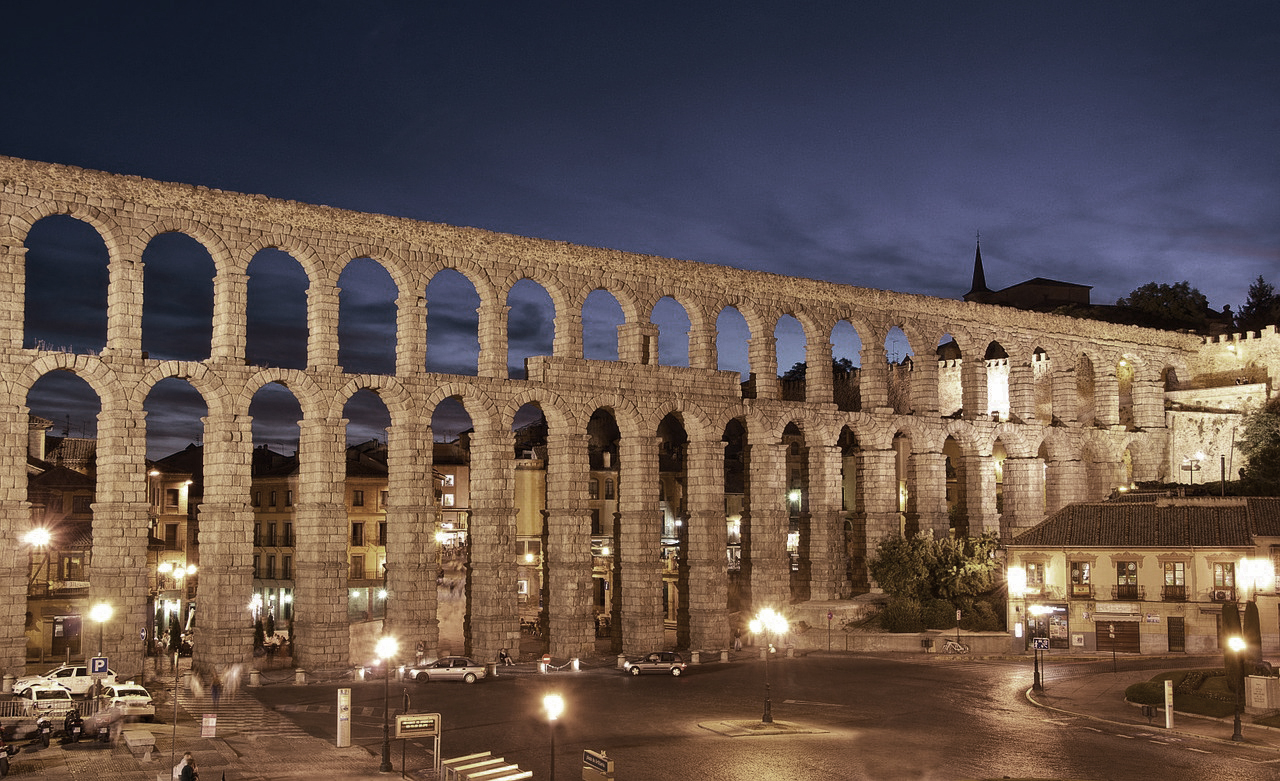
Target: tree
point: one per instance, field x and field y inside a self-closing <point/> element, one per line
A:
<point x="1262" y="308"/>
<point x="799" y="369"/>
<point x="1259" y="442"/>
<point x="1168" y="306"/>
<point x="924" y="568"/>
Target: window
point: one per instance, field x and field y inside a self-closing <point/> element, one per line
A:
<point x="255" y="564"/>
<point x="286" y="567"/>
<point x="1224" y="581"/>
<point x="171" y="536"/>
<point x="608" y="488"/>
<point x="171" y="498"/>
<point x="357" y="568"/>
<point x="595" y="520"/>
<point x="1080" y="578"/>
<point x="383" y="497"/>
<point x="447" y="500"/>
<point x="1175" y="588"/>
<point x="257" y="535"/>
<point x="273" y="498"/>
<point x="382" y="533"/>
<point x="82" y="504"/>
<point x="288" y="535"/>
<point x="357" y="498"/>
<point x="271" y="566"/>
<point x="357" y="535"/>
<point x="271" y="535"/>
<point x="1035" y="576"/>
<point x="257" y="498"/>
<point x="288" y="498"/>
<point x="71" y="566"/>
<point x="1127" y="580"/>
<point x="593" y="489"/>
<point x="448" y="480"/>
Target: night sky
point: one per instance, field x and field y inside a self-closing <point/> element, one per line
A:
<point x="1106" y="144"/>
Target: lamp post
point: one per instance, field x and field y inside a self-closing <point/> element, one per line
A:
<point x="101" y="613"/>
<point x="766" y="622"/>
<point x="386" y="649"/>
<point x="1237" y="645"/>
<point x="38" y="538"/>
<point x="554" y="705"/>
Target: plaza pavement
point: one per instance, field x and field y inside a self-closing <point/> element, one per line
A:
<point x="256" y="743"/>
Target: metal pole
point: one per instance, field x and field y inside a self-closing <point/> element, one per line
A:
<point x="1236" y="736"/>
<point x="1036" y="685"/>
<point x="553" y="750"/>
<point x="768" y="703"/>
<point x="385" y="767"/>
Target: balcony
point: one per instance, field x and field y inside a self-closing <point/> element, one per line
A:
<point x="1130" y="593"/>
<point x="1175" y="594"/>
<point x="1222" y="594"/>
<point x="1081" y="591"/>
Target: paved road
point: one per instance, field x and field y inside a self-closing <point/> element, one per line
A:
<point x="840" y="717"/>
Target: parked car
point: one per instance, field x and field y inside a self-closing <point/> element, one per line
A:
<point x="448" y="668"/>
<point x="74" y="677"/>
<point x="667" y="662"/>
<point x="128" y="700"/>
<point x="46" y="699"/>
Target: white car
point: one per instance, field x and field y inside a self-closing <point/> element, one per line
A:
<point x="74" y="677"/>
<point x="128" y="700"/>
<point x="52" y="700"/>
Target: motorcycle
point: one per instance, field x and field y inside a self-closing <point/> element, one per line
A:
<point x="73" y="726"/>
<point x="44" y="729"/>
<point x="7" y="750"/>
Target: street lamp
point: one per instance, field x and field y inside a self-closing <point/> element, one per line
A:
<point x="1237" y="645"/>
<point x="766" y="622"/>
<point x="38" y="538"/>
<point x="101" y="613"/>
<point x="386" y="649"/>
<point x="554" y="705"/>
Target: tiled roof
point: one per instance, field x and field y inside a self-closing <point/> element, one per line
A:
<point x="1152" y="525"/>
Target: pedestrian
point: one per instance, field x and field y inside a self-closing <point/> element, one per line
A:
<point x="215" y="691"/>
<point x="177" y="769"/>
<point x="505" y="658"/>
<point x="189" y="772"/>
<point x="737" y="639"/>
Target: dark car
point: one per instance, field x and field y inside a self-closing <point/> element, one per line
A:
<point x="668" y="662"/>
<point x="449" y="668"/>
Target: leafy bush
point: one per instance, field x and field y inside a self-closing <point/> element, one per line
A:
<point x="1146" y="693"/>
<point x="939" y="614"/>
<point x="902" y="614"/>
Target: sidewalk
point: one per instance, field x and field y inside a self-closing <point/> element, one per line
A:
<point x="1100" y="696"/>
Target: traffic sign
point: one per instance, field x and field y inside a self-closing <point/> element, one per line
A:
<point x="98" y="665"/>
<point x="1040" y="643"/>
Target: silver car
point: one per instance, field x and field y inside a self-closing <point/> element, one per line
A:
<point x="128" y="700"/>
<point x="666" y="662"/>
<point x="449" y="668"/>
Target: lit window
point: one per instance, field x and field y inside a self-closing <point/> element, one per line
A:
<point x="447" y="500"/>
<point x="357" y="498"/>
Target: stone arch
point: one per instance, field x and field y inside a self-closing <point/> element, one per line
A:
<point x="207" y="237"/>
<point x="303" y="254"/>
<point x="198" y="375"/>
<point x="112" y="235"/>
<point x="316" y="404"/>
<point x="106" y="383"/>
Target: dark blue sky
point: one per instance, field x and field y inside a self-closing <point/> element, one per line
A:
<point x="1107" y="144"/>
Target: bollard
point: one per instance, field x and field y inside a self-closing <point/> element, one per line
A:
<point x="724" y="656"/>
<point x="764" y="652"/>
<point x="255" y="678"/>
<point x="575" y="664"/>
<point x="791" y="652"/>
<point x="299" y="677"/>
<point x="8" y="684"/>
<point x="695" y="657"/>
<point x="622" y="661"/>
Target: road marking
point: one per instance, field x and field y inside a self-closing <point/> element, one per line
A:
<point x="1198" y="750"/>
<point x="810" y="702"/>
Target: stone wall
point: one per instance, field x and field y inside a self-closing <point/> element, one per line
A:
<point x="1071" y="422"/>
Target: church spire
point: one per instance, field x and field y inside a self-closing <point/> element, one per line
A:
<point x="979" y="276"/>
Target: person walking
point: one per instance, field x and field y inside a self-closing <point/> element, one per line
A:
<point x="737" y="639"/>
<point x="177" y="769"/>
<point x="189" y="772"/>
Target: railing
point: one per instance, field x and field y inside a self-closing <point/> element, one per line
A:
<point x="1175" y="594"/>
<point x="1127" y="592"/>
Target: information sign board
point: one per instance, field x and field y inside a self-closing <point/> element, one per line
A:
<point x="417" y="725"/>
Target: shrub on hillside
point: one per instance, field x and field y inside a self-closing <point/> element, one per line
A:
<point x="1146" y="693"/>
<point x="902" y="615"/>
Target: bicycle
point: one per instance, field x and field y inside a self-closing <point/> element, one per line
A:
<point x="953" y="647"/>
